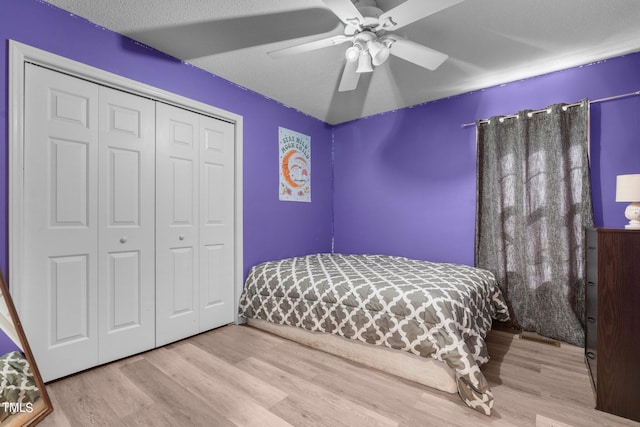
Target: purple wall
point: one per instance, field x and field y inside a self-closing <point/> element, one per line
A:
<point x="272" y="228"/>
<point x="6" y="344"/>
<point x="405" y="180"/>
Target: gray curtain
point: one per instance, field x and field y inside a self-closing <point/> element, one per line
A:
<point x="533" y="202"/>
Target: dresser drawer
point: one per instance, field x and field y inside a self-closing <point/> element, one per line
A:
<point x="591" y="298"/>
<point x="591" y="304"/>
<point x="591" y="317"/>
<point x="591" y="293"/>
<point x="591" y="256"/>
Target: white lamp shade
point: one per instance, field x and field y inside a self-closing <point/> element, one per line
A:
<point x="364" y="63"/>
<point x="379" y="52"/>
<point x="628" y="188"/>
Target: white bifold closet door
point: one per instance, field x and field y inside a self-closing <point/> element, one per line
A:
<point x="126" y="225"/>
<point x="88" y="281"/>
<point x="194" y="222"/>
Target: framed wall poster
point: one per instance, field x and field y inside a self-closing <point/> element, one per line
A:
<point x="295" y="165"/>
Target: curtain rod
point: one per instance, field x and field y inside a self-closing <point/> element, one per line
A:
<point x="595" y="101"/>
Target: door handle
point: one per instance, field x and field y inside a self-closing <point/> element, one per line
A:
<point x="124" y="239"/>
<point x="181" y="237"/>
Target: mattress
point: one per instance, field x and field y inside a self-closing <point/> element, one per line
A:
<point x="434" y="310"/>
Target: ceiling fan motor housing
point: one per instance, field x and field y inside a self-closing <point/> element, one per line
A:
<point x="366" y="48"/>
<point x="368" y="10"/>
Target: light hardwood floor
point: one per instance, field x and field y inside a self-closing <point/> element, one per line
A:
<point x="237" y="375"/>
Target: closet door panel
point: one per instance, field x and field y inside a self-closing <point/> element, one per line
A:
<point x="216" y="222"/>
<point x="59" y="292"/>
<point x="181" y="282"/>
<point x="177" y="275"/>
<point x="69" y="182"/>
<point x="124" y="289"/>
<point x="182" y="191"/>
<point x="127" y="225"/>
<point x="69" y="292"/>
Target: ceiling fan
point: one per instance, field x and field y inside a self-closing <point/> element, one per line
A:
<point x="368" y="29"/>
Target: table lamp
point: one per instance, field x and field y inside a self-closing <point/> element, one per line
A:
<point x="628" y="190"/>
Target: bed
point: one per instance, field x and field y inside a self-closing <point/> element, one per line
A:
<point x="433" y="310"/>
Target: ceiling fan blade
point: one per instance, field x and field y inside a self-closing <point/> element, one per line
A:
<point x="346" y="11"/>
<point x="194" y="40"/>
<point x="411" y="11"/>
<point x="307" y="47"/>
<point x="416" y="53"/>
<point x="349" y="80"/>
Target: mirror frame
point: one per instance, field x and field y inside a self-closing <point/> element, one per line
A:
<point x="43" y="409"/>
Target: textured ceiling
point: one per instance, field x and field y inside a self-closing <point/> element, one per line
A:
<point x="489" y="42"/>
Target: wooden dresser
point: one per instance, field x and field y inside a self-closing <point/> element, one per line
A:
<point x="612" y="321"/>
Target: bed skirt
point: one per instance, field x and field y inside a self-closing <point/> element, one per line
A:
<point x="426" y="371"/>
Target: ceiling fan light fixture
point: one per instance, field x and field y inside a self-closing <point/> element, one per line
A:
<point x="378" y="51"/>
<point x="364" y="63"/>
<point x="353" y="53"/>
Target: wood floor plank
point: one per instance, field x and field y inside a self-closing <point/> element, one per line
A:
<point x="58" y="417"/>
<point x="567" y="385"/>
<point x="156" y="415"/>
<point x="184" y="404"/>
<point x="520" y="407"/>
<point x="233" y="404"/>
<point x="232" y="345"/>
<point x="313" y="399"/>
<point x="124" y="396"/>
<point x="221" y="346"/>
<point x="365" y="391"/>
<point x="83" y="405"/>
<point x="287" y="357"/>
<point x="444" y="410"/>
<point x="127" y="360"/>
<point x="259" y="390"/>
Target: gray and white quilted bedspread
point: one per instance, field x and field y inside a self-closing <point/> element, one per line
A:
<point x="436" y="310"/>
